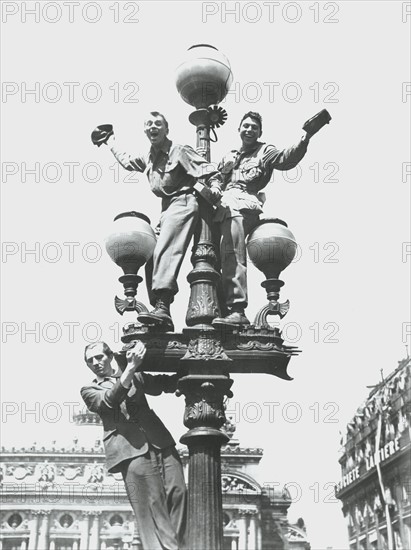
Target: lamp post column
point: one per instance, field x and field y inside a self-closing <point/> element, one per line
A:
<point x="204" y="415"/>
<point x="204" y="79"/>
<point x="203" y="304"/>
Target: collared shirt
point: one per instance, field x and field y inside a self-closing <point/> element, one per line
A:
<point x="245" y="173"/>
<point x="172" y="170"/>
<point x="113" y="377"/>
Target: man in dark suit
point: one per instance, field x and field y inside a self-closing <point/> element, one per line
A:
<point x="138" y="445"/>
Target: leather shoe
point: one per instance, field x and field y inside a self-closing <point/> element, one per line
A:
<point x="160" y="316"/>
<point x="234" y="319"/>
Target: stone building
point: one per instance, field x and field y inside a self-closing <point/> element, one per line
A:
<point x="64" y="499"/>
<point x="376" y="467"/>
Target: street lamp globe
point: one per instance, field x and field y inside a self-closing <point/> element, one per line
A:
<point x="204" y="77"/>
<point x="132" y="242"/>
<point x="271" y="247"/>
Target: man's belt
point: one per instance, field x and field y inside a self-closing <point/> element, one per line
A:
<point x="236" y="185"/>
<point x="178" y="194"/>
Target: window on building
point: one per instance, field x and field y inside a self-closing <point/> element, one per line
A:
<point x="395" y="427"/>
<point x="66" y="521"/>
<point x="14" y="520"/>
<point x="405" y="495"/>
<point x="398" y="541"/>
<point x="116" y="520"/>
<point x="12" y="544"/>
<point x="362" y="453"/>
<point x="383" y="538"/>
<point x="64" y="544"/>
<point x="229" y="543"/>
<point x="226" y="519"/>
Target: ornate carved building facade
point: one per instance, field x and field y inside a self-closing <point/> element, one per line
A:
<point x="376" y="467"/>
<point x="64" y="499"/>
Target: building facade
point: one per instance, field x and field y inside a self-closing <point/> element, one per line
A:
<point x="376" y="467"/>
<point x="64" y="499"/>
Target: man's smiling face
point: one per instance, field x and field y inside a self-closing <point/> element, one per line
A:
<point x="249" y="131"/>
<point x="156" y="130"/>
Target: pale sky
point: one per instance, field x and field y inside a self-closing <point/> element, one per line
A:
<point x="347" y="205"/>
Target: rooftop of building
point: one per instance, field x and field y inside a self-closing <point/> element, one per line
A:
<point x="390" y="396"/>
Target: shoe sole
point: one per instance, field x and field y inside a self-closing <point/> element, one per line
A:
<point x="154" y="320"/>
<point x="150" y="319"/>
<point x="216" y="323"/>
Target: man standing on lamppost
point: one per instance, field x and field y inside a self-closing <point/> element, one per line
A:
<point x="172" y="170"/>
<point x="245" y="173"/>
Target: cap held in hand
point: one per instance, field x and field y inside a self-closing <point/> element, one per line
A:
<point x="315" y="123"/>
<point x="101" y="134"/>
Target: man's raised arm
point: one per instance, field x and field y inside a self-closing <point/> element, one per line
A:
<point x="99" y="398"/>
<point x="286" y="159"/>
<point x="127" y="161"/>
<point x="135" y="358"/>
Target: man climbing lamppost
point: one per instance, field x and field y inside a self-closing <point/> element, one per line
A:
<point x="138" y="445"/>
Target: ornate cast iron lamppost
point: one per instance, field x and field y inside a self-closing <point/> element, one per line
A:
<point x="204" y="356"/>
<point x="203" y="79"/>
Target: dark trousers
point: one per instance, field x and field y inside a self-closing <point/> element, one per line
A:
<point x="157" y="492"/>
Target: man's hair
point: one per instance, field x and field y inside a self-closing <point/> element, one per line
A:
<point x="156" y="113"/>
<point x="106" y="349"/>
<point x="256" y="117"/>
